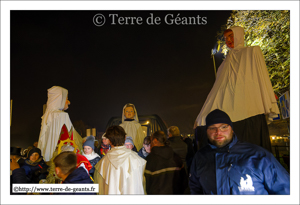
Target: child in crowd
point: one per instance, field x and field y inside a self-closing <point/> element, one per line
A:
<point x="88" y="149"/>
<point x="131" y="125"/>
<point x="35" y="167"/>
<point x="144" y="152"/>
<point x="105" y="146"/>
<point x="129" y="144"/>
<point x="65" y="168"/>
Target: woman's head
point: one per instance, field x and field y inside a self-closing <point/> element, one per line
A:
<point x="147" y="143"/>
<point x="87" y="150"/>
<point x="88" y="145"/>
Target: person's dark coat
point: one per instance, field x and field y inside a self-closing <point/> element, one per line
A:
<point x="78" y="176"/>
<point x="178" y="146"/>
<point x="35" y="171"/>
<point x="142" y="153"/>
<point x="93" y="163"/>
<point x="190" y="153"/>
<point x="164" y="173"/>
<point x="18" y="177"/>
<point x="237" y="168"/>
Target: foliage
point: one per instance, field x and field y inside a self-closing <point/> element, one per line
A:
<point x="271" y="31"/>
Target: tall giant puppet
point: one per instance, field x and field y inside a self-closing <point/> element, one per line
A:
<point x="53" y="120"/>
<point x="243" y="90"/>
<point x="131" y="125"/>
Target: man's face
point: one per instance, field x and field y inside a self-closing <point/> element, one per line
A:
<point x="35" y="156"/>
<point x="219" y="134"/>
<point x="129" y="113"/>
<point x="128" y="145"/>
<point x="229" y="39"/>
<point x="67" y="104"/>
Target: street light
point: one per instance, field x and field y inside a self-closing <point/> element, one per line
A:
<point x="213" y="53"/>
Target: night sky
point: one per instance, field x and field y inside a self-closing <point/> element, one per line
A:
<point x="162" y="69"/>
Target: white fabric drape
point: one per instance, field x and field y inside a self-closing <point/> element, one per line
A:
<point x="242" y="88"/>
<point x="120" y="171"/>
<point x="133" y="129"/>
<point x="53" y="120"/>
<point x="91" y="156"/>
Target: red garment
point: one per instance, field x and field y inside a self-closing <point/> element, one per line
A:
<point x="64" y="134"/>
<point x="83" y="159"/>
<point x="104" y="149"/>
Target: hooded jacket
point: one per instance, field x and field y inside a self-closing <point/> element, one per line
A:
<point x="240" y="168"/>
<point x="242" y="88"/>
<point x="35" y="171"/>
<point x="120" y="171"/>
<point x="165" y="173"/>
<point x="53" y="120"/>
<point x="133" y="129"/>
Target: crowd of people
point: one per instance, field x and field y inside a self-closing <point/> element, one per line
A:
<point x="128" y="162"/>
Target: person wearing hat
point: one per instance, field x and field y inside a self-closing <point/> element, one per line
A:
<point x="89" y="153"/>
<point x="105" y="146"/>
<point x="243" y="90"/>
<point x="15" y="153"/>
<point x="129" y="144"/>
<point x="228" y="166"/>
<point x="35" y="166"/>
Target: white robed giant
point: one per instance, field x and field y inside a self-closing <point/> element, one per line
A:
<point x="53" y="120"/>
<point x="133" y="129"/>
<point x="120" y="171"/>
<point x="242" y="88"/>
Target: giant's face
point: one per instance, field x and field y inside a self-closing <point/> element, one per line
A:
<point x="129" y="113"/>
<point x="229" y="39"/>
<point x="219" y="134"/>
<point x="67" y="104"/>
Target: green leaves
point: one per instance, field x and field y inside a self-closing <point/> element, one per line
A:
<point x="270" y="30"/>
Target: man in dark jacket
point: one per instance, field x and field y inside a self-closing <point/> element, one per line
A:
<point x="164" y="173"/>
<point x="177" y="144"/>
<point x="229" y="166"/>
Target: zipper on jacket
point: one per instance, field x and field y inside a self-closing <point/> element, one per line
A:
<point x="229" y="167"/>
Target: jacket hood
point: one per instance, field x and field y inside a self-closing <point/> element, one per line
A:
<point x="118" y="155"/>
<point x="165" y="152"/>
<point x="135" y="113"/>
<point x="238" y="34"/>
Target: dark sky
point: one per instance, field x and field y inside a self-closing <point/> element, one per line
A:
<point x="163" y="69"/>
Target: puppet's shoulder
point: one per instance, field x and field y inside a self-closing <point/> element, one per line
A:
<point x="254" y="48"/>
